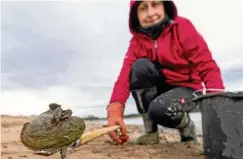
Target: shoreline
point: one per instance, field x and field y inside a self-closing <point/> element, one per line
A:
<point x="91" y="117"/>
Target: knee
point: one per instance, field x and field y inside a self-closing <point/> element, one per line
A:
<point x="157" y="110"/>
<point x="141" y="64"/>
<point x="141" y="67"/>
<point x="163" y="113"/>
<point x="141" y="70"/>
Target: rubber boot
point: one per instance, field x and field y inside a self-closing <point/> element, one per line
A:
<point x="187" y="129"/>
<point x="151" y="135"/>
<point x="143" y="97"/>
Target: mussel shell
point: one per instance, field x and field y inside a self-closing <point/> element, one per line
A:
<point x="40" y="135"/>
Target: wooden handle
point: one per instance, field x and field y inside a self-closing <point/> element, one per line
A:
<point x="89" y="136"/>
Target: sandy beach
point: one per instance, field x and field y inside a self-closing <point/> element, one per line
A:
<point x="100" y="148"/>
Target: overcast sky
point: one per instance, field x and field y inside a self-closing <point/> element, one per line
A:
<point x="71" y="52"/>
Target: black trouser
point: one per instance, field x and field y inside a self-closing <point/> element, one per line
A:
<point x="154" y="96"/>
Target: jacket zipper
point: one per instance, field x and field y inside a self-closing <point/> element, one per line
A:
<point x="157" y="64"/>
<point x="156" y="48"/>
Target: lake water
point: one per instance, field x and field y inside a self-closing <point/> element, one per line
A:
<point x="196" y="117"/>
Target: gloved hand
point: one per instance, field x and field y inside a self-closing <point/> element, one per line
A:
<point x="115" y="117"/>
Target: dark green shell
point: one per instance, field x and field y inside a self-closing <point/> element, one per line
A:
<point x="41" y="134"/>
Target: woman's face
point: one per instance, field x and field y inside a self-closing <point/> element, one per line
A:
<point x="150" y="12"/>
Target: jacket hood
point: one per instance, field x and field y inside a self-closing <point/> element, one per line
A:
<point x="170" y="9"/>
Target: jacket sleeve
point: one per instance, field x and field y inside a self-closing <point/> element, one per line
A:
<point x="198" y="54"/>
<point x="121" y="87"/>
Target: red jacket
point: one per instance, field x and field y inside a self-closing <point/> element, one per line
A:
<point x="180" y="48"/>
